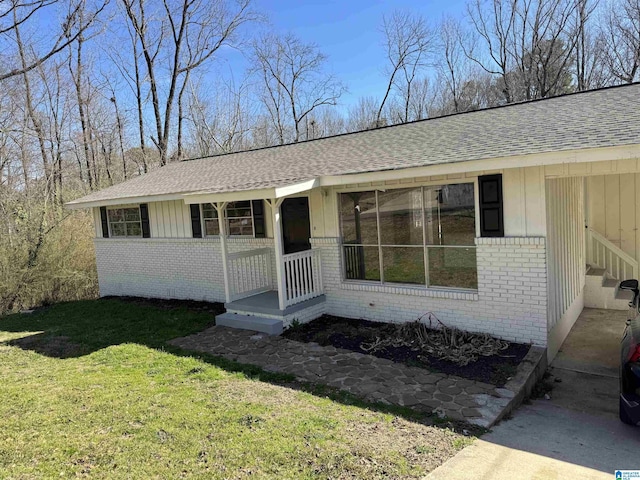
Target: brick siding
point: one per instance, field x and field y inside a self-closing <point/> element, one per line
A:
<point x="511" y="300"/>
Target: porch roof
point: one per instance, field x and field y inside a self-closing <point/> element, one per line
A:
<point x="607" y="117"/>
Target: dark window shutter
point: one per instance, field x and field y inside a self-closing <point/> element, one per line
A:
<point x="105" y="222"/>
<point x="196" y="223"/>
<point x="144" y="219"/>
<point x="491" y="211"/>
<point x="258" y="219"/>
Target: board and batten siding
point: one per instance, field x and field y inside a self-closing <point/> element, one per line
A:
<point x="565" y="252"/>
<point x="614" y="209"/>
<point x="166" y="220"/>
<point x="170" y="219"/>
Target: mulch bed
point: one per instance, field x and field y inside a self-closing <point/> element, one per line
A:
<point x="350" y="333"/>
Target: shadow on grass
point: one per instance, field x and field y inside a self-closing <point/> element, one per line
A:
<point x="74" y="329"/>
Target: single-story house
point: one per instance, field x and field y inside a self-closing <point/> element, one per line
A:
<point x="507" y="220"/>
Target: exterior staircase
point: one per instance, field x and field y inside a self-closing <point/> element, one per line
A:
<point x="601" y="290"/>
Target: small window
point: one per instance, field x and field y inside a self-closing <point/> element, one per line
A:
<point x="239" y="219"/>
<point x="210" y="218"/>
<point x="125" y="222"/>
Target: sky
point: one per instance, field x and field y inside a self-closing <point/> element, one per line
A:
<point x="348" y="32"/>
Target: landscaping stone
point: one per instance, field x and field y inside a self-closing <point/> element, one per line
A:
<point x="370" y="377"/>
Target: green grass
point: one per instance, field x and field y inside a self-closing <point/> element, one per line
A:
<point x="90" y="389"/>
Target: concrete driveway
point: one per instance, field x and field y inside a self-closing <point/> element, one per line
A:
<point x="575" y="434"/>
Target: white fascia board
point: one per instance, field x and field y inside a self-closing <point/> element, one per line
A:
<point x="296" y="188"/>
<point x="534" y="160"/>
<point x="260" y="194"/>
<point x="77" y="205"/>
<point x="208" y="197"/>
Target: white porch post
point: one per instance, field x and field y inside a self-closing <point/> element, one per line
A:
<point x="274" y="204"/>
<point x="221" y="208"/>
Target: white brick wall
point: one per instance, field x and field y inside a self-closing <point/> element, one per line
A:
<point x="185" y="268"/>
<point x="511" y="301"/>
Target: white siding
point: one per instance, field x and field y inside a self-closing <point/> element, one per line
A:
<point x="566" y="247"/>
<point x="613" y="209"/>
<point x="524" y="202"/>
<point x="170" y="219"/>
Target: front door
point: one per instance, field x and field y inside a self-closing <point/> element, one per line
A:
<point x="296" y="226"/>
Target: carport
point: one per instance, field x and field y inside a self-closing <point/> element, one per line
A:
<point x="585" y="370"/>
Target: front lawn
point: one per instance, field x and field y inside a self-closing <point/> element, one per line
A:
<point x="90" y="389"/>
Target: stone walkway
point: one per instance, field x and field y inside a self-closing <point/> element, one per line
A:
<point x="374" y="379"/>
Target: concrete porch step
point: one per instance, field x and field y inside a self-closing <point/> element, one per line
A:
<point x="601" y="291"/>
<point x="266" y="304"/>
<point x="270" y="326"/>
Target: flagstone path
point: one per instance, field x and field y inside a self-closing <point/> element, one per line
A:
<point x="371" y="378"/>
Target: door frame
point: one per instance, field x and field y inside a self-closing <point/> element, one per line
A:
<point x="283" y="221"/>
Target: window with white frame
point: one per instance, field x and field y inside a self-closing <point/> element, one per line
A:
<point x="210" y="220"/>
<point x="125" y="222"/>
<point x="418" y="236"/>
<point x="239" y="219"/>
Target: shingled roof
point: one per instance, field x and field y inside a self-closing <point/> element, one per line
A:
<point x="599" y="118"/>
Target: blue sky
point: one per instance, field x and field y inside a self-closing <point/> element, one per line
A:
<point x="348" y="32"/>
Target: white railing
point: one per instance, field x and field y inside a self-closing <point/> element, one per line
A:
<point x="302" y="276"/>
<point x="250" y="273"/>
<point x="602" y="253"/>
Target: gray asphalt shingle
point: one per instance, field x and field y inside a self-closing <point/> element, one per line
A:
<point x="600" y="118"/>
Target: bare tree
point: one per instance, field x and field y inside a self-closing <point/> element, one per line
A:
<point x="183" y="36"/>
<point x="362" y="115"/>
<point x="294" y="81"/>
<point x="621" y="32"/>
<point x="220" y="124"/>
<point x="19" y="13"/>
<point x="528" y="44"/>
<point x="408" y="41"/>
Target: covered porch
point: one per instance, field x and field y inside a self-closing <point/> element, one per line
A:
<point x="266" y="288"/>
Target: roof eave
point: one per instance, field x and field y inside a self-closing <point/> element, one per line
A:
<point x="80" y="204"/>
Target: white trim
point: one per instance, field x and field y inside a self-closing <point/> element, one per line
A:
<point x="125" y="221"/>
<point x="274" y="204"/>
<point x="204" y="229"/>
<point x="297" y="188"/>
<point x="221" y="208"/>
<point x="405" y="289"/>
<point x="424" y="245"/>
<point x="78" y="204"/>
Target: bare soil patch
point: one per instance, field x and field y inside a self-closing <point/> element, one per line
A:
<point x="352" y="334"/>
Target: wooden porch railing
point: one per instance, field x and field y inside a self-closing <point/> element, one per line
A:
<point x="602" y="253"/>
<point x="303" y="276"/>
<point x="250" y="273"/>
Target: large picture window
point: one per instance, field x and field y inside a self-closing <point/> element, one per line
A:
<point x="419" y="236"/>
<point x="125" y="222"/>
<point x="239" y="219"/>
